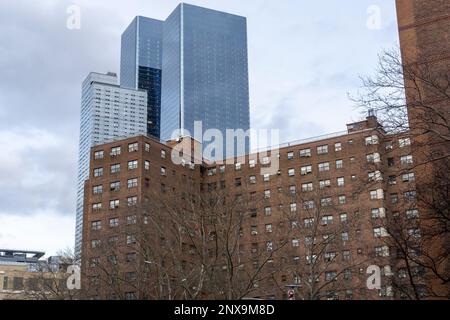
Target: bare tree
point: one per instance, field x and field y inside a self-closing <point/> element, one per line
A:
<point x="49" y="279"/>
<point x="412" y="99"/>
<point x="322" y="258"/>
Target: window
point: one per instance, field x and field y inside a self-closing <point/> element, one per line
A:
<point x="391" y="162"/>
<point x="308" y="223"/>
<point x="98" y="155"/>
<point x="373" y="158"/>
<point x="410" y="195"/>
<point x="132" y="165"/>
<point x="305" y="153"/>
<point x="327" y="220"/>
<point x="97" y="189"/>
<point x="405" y="160"/>
<point x="113" y="222"/>
<point x="131" y="219"/>
<point x="163" y="154"/>
<point x="307" y="187"/>
<point x="402" y="273"/>
<point x="375" y="176"/>
<point x="324" y="183"/>
<point x="371" y="140"/>
<point x="322" y="150"/>
<point x="269" y="244"/>
<point x="96" y="225"/>
<point x="325" y="202"/>
<point x="147" y="147"/>
<point x="290" y="155"/>
<point x="131" y="257"/>
<point x="252" y="163"/>
<point x="392" y="180"/>
<point x="130" y="296"/>
<point x="404" y="142"/>
<point x="98" y="172"/>
<point x="268" y="211"/>
<point x="376" y="194"/>
<point x="113" y="240"/>
<point x="343" y="217"/>
<point x="408" y="177"/>
<point x="412" y="213"/>
<point x="114" y="204"/>
<point x="252" y="179"/>
<point x="295" y="225"/>
<point x="338" y="147"/>
<point x="309" y="241"/>
<point x="133" y="147"/>
<point x="379" y="232"/>
<point x="212" y="172"/>
<point x="96" y="206"/>
<point x="293" y="207"/>
<point x="292" y="190"/>
<point x="414" y="232"/>
<point x="291" y="172"/>
<point x="94" y="262"/>
<point x="331" y="276"/>
<point x="266" y="177"/>
<point x="238" y="182"/>
<point x="295" y="242"/>
<point x="378" y="213"/>
<point x="344" y="236"/>
<point x="238" y="166"/>
<point x="305" y="170"/>
<point x="329" y="256"/>
<point x="95" y="244"/>
<point x="132" y="183"/>
<point x="309" y="204"/>
<point x="382" y="251"/>
<point x="325" y="166"/>
<point x="346" y="254"/>
<point x="394" y="198"/>
<point x="311" y="259"/>
<point x="115" y="151"/>
<point x="115" y="168"/>
<point x="253" y="230"/>
<point x="114" y="186"/>
<point x="340" y="182"/>
<point x="339" y="164"/>
<point x="132" y="201"/>
<point x="266" y="194"/>
<point x="147" y="165"/>
<point x="265" y="160"/>
<point x="268" y="228"/>
<point x="131" y="239"/>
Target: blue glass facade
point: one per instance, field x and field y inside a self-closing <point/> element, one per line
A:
<point x="141" y="63"/>
<point x="205" y="71"/>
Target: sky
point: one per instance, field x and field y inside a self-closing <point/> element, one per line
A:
<point x="304" y="58"/>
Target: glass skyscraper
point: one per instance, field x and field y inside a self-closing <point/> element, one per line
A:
<point x="205" y="71"/>
<point x="140" y="65"/>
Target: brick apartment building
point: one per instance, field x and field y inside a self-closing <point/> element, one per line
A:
<point x="424" y="30"/>
<point x="314" y="226"/>
<point x="157" y="230"/>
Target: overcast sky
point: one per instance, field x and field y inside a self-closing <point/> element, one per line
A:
<point x="304" y="56"/>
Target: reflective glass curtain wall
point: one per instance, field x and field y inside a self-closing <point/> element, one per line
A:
<point x="141" y="63"/>
<point x="205" y="71"/>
